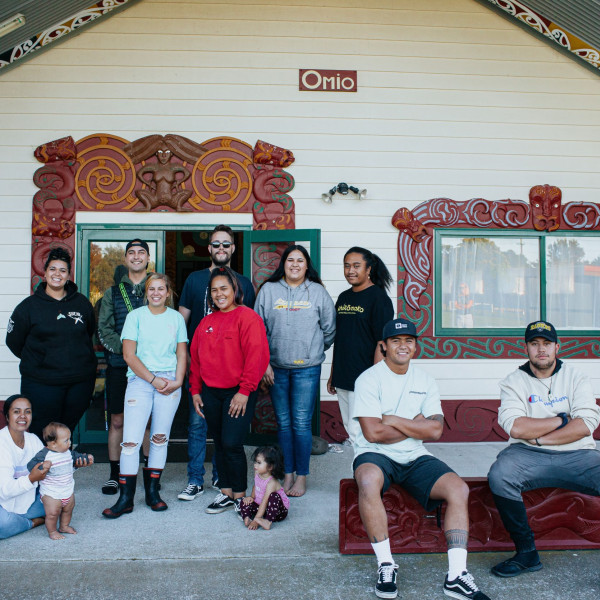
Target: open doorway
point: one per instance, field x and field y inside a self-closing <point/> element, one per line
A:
<point x="186" y="252"/>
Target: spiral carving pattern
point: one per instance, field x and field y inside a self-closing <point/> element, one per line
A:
<point x="222" y="177"/>
<point x="106" y="175"/>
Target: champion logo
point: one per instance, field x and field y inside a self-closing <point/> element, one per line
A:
<point x="209" y="330"/>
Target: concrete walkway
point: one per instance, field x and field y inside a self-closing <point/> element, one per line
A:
<point x="186" y="554"/>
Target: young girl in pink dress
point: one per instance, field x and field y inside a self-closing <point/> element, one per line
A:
<point x="268" y="502"/>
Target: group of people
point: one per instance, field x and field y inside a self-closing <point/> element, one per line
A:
<point x="223" y="344"/>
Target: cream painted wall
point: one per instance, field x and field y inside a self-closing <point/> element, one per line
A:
<point x="453" y="101"/>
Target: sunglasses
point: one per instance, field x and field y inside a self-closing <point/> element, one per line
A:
<point x="219" y="244"/>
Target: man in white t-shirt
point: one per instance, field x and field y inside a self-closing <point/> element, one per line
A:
<point x="398" y="406"/>
<point x="549" y="411"/>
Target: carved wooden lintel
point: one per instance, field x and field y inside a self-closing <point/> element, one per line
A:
<point x="103" y="172"/>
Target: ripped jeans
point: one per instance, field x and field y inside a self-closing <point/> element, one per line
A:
<point x="141" y="401"/>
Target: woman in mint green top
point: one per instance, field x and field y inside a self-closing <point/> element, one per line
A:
<point x="155" y="349"/>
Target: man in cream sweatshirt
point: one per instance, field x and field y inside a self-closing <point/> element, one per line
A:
<point x="549" y="411"/>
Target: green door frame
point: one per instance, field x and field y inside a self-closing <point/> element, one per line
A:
<point x="313" y="236"/>
<point x="117" y="232"/>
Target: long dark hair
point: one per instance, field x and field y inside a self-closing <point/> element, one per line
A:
<point x="379" y="275"/>
<point x="311" y="272"/>
<point x="273" y="457"/>
<point x="238" y="294"/>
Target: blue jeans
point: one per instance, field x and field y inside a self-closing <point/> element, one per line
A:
<point x="293" y="395"/>
<point x="13" y="523"/>
<point x="197" y="448"/>
<point x="141" y="401"/>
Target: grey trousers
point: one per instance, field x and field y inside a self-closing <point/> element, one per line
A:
<point x="519" y="468"/>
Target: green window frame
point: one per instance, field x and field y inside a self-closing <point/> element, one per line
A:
<point x="543" y="238"/>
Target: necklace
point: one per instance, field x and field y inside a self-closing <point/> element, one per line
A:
<point x="548" y="387"/>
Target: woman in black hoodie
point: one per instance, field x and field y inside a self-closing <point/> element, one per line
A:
<point x="51" y="332"/>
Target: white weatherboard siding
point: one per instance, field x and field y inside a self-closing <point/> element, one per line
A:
<point x="452" y="100"/>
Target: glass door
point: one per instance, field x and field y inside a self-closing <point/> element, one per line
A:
<point x="262" y="253"/>
<point x="100" y="266"/>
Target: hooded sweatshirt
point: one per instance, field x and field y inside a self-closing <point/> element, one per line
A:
<point x="300" y="322"/>
<point x="569" y="390"/>
<point x="53" y="338"/>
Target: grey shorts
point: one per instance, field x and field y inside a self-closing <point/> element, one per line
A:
<point x="417" y="477"/>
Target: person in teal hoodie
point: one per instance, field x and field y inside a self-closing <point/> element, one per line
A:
<point x="299" y="316"/>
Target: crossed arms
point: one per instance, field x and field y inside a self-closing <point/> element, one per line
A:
<point x="390" y="429"/>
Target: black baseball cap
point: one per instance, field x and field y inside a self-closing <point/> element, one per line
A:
<point x="399" y="327"/>
<point x="137" y="242"/>
<point x="541" y="329"/>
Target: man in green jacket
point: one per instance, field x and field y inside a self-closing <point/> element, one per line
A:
<point x="116" y="303"/>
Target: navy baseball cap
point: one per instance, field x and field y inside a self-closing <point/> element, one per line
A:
<point x="541" y="329"/>
<point x="139" y="243"/>
<point x="399" y="327"/>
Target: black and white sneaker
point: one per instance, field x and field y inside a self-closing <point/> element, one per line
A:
<point x="110" y="487"/>
<point x="191" y="492"/>
<point x="386" y="580"/>
<point x="238" y="508"/>
<point x="220" y="504"/>
<point x="215" y="485"/>
<point x="463" y="587"/>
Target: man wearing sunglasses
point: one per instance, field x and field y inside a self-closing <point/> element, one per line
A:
<point x="194" y="306"/>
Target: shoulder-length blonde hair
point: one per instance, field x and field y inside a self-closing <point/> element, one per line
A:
<point x="155" y="276"/>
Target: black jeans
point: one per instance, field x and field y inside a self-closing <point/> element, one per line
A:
<point x="63" y="403"/>
<point x="228" y="434"/>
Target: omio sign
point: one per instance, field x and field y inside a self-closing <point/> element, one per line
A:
<point x="318" y="80"/>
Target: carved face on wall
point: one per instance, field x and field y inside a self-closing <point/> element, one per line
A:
<point x="545" y="201"/>
<point x="405" y="221"/>
<point x="163" y="154"/>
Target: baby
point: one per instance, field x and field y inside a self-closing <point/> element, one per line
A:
<point x="56" y="489"/>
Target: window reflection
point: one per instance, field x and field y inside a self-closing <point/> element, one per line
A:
<point x="489" y="282"/>
<point x="573" y="282"/>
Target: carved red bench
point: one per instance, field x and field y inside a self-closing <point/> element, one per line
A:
<point x="560" y="519"/>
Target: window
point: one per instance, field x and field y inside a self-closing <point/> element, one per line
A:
<point x="500" y="281"/>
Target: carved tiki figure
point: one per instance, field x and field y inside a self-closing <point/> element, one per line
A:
<point x="545" y="201"/>
<point x="163" y="178"/>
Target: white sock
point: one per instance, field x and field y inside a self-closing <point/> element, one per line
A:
<point x="457" y="562"/>
<point x="383" y="552"/>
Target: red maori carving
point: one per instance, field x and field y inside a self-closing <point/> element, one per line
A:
<point x="264" y="416"/>
<point x="582" y="215"/>
<point x="53" y="215"/>
<point x="267" y="154"/>
<point x="477" y="212"/>
<point x="332" y="428"/>
<point x="99" y="173"/>
<point x="274" y="208"/>
<point x="559" y="518"/>
<point x="472" y="421"/>
<point x="61" y="149"/>
<point x="545" y="203"/>
<point x="416" y="258"/>
<point x="161" y="177"/>
<point x="405" y="221"/>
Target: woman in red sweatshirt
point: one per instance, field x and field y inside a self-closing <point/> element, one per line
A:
<point x="229" y="356"/>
